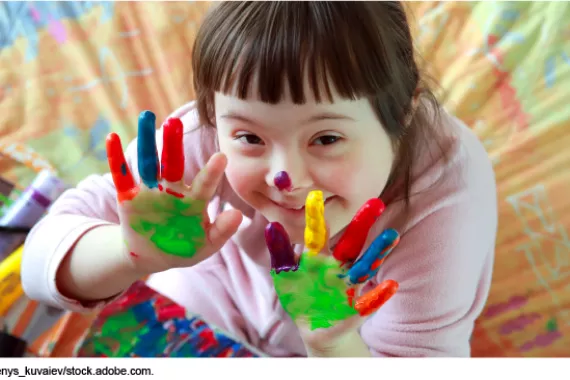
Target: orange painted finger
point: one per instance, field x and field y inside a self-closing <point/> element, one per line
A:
<point x="374" y="299"/>
<point x="122" y="176"/>
<point x="172" y="160"/>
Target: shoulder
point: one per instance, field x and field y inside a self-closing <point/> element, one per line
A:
<point x="444" y="260"/>
<point x="451" y="175"/>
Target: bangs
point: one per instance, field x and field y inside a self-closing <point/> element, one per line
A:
<point x="271" y="49"/>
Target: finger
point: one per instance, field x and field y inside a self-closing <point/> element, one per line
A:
<point x="122" y="176"/>
<point x="223" y="228"/>
<point x="315" y="226"/>
<point x="350" y="244"/>
<point x="374" y="299"/>
<point x="282" y="254"/>
<point x="172" y="160"/>
<point x="207" y="180"/>
<point x="369" y="263"/>
<point x="146" y="147"/>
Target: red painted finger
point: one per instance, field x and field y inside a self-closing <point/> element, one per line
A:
<point x="350" y="244"/>
<point x="122" y="176"/>
<point x="172" y="160"/>
<point x="374" y="299"/>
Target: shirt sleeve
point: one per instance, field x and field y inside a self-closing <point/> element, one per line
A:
<point x="90" y="204"/>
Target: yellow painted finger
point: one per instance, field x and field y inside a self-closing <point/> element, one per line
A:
<point x="315" y="226"/>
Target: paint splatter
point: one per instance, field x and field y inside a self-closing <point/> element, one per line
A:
<point x="519" y="323"/>
<point x="57" y="30"/>
<point x="174" y="193"/>
<point x="551" y="325"/>
<point x="143" y="323"/>
<point x="541" y="341"/>
<point x="514" y="303"/>
<point x="282" y="181"/>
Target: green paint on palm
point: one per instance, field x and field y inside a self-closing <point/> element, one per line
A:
<point x="314" y="292"/>
<point x="174" y="225"/>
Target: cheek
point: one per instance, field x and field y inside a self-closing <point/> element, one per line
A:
<point x="356" y="178"/>
<point x="338" y="177"/>
<point x="244" y="176"/>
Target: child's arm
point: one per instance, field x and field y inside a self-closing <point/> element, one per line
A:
<point x="75" y="254"/>
<point x="55" y="247"/>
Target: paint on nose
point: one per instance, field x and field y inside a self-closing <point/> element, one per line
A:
<point x="282" y="181"/>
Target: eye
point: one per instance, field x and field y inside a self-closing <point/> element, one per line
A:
<point x="250" y="139"/>
<point x="326" y="140"/>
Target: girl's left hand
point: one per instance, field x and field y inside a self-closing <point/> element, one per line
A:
<point x="322" y="294"/>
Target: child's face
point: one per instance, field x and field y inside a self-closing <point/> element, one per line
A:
<point x="339" y="148"/>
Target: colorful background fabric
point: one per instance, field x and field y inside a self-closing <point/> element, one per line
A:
<point x="71" y="72"/>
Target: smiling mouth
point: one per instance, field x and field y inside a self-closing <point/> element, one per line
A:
<point x="299" y="208"/>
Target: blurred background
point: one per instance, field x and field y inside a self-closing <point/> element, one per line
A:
<point x="71" y="72"/>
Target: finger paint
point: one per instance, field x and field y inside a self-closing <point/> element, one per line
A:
<point x="146" y="147"/>
<point x="374" y="299"/>
<point x="350" y="293"/>
<point x="369" y="263"/>
<point x="314" y="292"/>
<point x="282" y="181"/>
<point x="352" y="241"/>
<point x="169" y="312"/>
<point x="280" y="248"/>
<point x="315" y="225"/>
<point x="122" y="177"/>
<point x="172" y="150"/>
<point x="174" y="193"/>
<point x="179" y="231"/>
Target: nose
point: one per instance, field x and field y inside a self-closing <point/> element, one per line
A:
<point x="295" y="167"/>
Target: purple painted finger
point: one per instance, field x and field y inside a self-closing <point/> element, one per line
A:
<point x="280" y="248"/>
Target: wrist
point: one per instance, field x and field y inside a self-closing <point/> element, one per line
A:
<point x="97" y="267"/>
<point x="347" y="345"/>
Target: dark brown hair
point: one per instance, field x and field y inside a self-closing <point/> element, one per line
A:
<point x="362" y="49"/>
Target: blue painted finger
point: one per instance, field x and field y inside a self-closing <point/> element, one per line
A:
<point x="146" y="149"/>
<point x="369" y="263"/>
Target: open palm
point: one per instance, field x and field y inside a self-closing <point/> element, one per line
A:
<point x="164" y="221"/>
<point x="320" y="292"/>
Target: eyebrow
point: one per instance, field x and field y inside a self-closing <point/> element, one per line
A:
<point x="318" y="117"/>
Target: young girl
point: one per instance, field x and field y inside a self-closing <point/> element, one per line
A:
<point x="330" y="93"/>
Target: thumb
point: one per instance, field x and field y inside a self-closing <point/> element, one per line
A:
<point x="225" y="225"/>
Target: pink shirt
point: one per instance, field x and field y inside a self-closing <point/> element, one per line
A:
<point x="443" y="263"/>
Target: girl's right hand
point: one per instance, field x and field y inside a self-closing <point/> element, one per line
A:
<point x="164" y="221"/>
